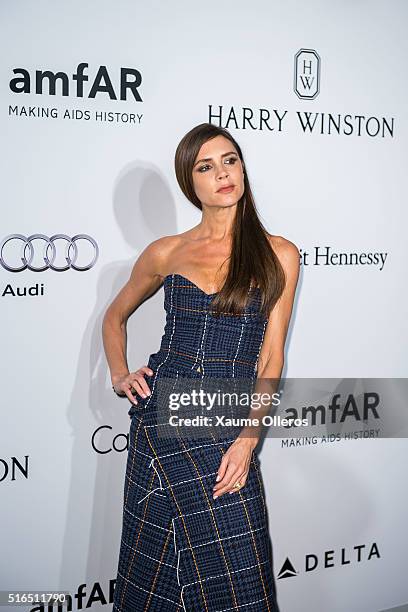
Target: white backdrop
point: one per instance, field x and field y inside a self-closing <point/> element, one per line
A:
<point x="114" y="181"/>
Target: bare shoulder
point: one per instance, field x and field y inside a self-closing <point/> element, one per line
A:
<point x="286" y="251"/>
<point x="156" y="255"/>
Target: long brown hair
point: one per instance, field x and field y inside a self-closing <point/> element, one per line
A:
<point x="252" y="259"/>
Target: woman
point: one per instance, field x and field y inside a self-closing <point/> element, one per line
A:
<point x="229" y="289"/>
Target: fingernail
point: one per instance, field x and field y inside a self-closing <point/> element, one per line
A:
<point x="215" y="496"/>
<point x="230" y="492"/>
<point x="135" y="402"/>
<point x="217" y="479"/>
<point x="143" y="395"/>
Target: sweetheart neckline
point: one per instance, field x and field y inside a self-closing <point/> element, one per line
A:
<point x="194" y="284"/>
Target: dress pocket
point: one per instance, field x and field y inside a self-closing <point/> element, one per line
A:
<point x="133" y="410"/>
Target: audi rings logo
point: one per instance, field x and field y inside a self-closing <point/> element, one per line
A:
<point x="39" y="252"/>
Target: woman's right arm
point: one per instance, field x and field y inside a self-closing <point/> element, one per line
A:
<point x="144" y="280"/>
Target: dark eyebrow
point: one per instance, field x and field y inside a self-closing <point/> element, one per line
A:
<point x="206" y="159"/>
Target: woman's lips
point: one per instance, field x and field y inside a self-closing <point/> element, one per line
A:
<point x="226" y="189"/>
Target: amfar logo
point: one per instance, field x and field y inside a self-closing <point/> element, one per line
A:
<point x="80" y="600"/>
<point x="330" y="558"/>
<point x="46" y="82"/>
<point x="307" y="74"/>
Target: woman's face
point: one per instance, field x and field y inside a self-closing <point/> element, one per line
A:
<point x="218" y="165"/>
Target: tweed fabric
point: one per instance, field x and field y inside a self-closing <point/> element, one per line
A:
<point x="180" y="548"/>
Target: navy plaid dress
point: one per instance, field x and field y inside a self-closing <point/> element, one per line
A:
<point x="180" y="548"/>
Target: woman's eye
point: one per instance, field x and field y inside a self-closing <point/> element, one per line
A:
<point x="230" y="160"/>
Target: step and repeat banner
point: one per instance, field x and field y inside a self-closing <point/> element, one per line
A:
<point x="95" y="97"/>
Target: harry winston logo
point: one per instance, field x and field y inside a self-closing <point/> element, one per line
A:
<point x="307" y="74"/>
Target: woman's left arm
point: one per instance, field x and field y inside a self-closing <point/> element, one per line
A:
<point x="235" y="463"/>
<point x="272" y="354"/>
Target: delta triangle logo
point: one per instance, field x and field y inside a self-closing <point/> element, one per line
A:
<point x="287" y="570"/>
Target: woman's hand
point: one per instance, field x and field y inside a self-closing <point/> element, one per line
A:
<point x="234" y="466"/>
<point x="124" y="384"/>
